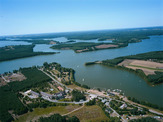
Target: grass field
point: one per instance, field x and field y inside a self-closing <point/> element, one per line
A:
<point x="38" y="112"/>
<point x="148" y="67"/>
<point x="90" y="113"/>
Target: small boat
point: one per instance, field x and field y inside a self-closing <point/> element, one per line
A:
<point x="83" y="79"/>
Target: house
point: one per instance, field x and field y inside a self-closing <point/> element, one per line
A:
<point x="59" y="95"/>
<point x="67" y="91"/>
<point x="107" y="103"/>
<point x="108" y="110"/>
<point x="110" y="94"/>
<point x="46" y="95"/>
<point x="123" y="106"/>
<point x="92" y="96"/>
<point x="60" y="88"/>
<point x="104" y="100"/>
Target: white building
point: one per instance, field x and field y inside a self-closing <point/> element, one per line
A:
<point x="123" y="106"/>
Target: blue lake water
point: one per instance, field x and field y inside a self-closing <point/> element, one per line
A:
<point x="9" y="43"/>
<point x="99" y="75"/>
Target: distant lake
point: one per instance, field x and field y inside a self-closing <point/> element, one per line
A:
<point x="98" y="75"/>
<point x="64" y="40"/>
<point x="9" y="43"/>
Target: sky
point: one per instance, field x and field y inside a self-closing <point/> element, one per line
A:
<point x="47" y="16"/>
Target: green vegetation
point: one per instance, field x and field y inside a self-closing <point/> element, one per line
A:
<point x="132" y="111"/>
<point x="34" y="78"/>
<point x="156" y="56"/>
<point x="77" y="96"/>
<point x="145" y="103"/>
<point x="144" y="119"/>
<point x="66" y="74"/>
<point x="91" y="102"/>
<point x="83" y="86"/>
<point x="21" y="51"/>
<point x="38" y="112"/>
<point x="85" y="46"/>
<point x="158" y="78"/>
<point x="9" y="100"/>
<point x="103" y="107"/>
<point x="58" y="118"/>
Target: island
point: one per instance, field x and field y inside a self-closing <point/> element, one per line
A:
<point x="20" y="51"/>
<point x="147" y="65"/>
<point x="88" y="46"/>
<point x="50" y="92"/>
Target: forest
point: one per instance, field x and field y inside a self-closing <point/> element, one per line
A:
<point x="77" y="96"/>
<point x="9" y="101"/>
<point x="58" y="118"/>
<point x="21" y="51"/>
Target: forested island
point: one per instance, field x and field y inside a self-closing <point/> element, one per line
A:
<point x="147" y="65"/>
<point x="21" y="51"/>
<point x="88" y="46"/>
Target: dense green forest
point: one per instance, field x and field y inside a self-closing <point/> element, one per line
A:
<point x="9" y="100"/>
<point x="77" y="96"/>
<point x="21" y="51"/>
<point x="58" y="118"/>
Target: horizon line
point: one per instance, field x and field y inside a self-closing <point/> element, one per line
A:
<point x="78" y="31"/>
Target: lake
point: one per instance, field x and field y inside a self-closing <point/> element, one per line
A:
<point x="98" y="75"/>
<point x="9" y="43"/>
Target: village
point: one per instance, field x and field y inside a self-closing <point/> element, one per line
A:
<point x="59" y="90"/>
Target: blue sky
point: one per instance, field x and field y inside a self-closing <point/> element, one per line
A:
<point x="44" y="16"/>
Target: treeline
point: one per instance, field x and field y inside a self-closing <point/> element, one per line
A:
<point x="9" y="100"/>
<point x="153" y="56"/>
<point x="157" y="78"/>
<point x="119" y="35"/>
<point x="80" y="85"/>
<point x="20" y="51"/>
<point x="77" y="96"/>
<point x="58" y="118"/>
<point x="156" y="56"/>
<point x="145" y="103"/>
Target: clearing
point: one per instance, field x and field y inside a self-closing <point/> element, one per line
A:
<point x="45" y="112"/>
<point x="90" y="113"/>
<point x="148" y="67"/>
<point x="105" y="46"/>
